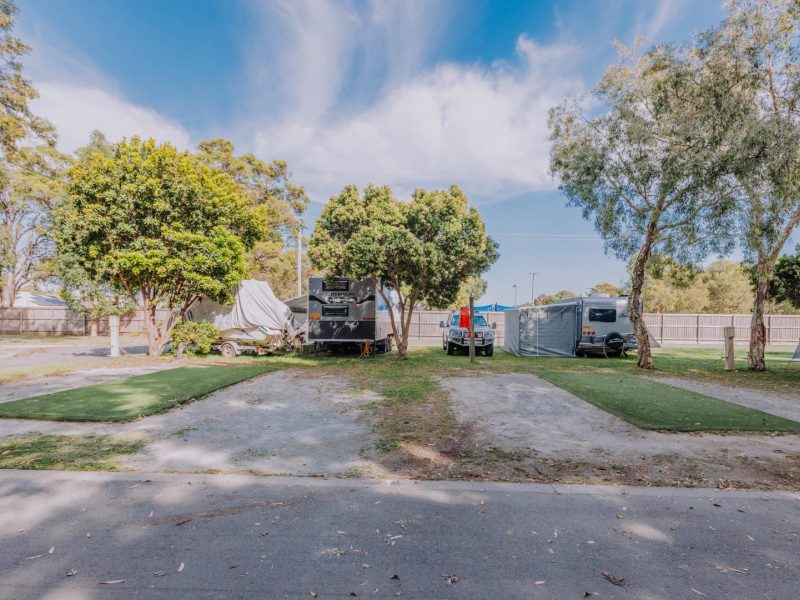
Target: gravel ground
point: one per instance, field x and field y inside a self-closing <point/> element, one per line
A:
<point x="523" y="411"/>
<point x="279" y="423"/>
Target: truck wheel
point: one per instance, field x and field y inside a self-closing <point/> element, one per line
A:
<point x="228" y="350"/>
<point x="488" y="350"/>
<point x="451" y="349"/>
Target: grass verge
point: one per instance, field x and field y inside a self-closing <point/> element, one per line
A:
<point x="134" y="397"/>
<point x="65" y="452"/>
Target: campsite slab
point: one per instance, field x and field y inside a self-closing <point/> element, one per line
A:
<point x="521" y="411"/>
<point x="285" y="422"/>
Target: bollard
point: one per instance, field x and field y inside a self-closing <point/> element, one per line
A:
<point x="113" y="325"/>
<point x="730" y="332"/>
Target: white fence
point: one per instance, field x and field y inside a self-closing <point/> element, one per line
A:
<point x="702" y="328"/>
<point x="692" y="328"/>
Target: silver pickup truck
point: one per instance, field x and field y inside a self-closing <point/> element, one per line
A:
<point x="457" y="338"/>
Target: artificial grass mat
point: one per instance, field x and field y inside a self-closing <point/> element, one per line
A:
<point x="652" y="405"/>
<point x="131" y="398"/>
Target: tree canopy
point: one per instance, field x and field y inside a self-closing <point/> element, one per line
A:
<point x="424" y="249"/>
<point x="785" y="283"/>
<point x="158" y="227"/>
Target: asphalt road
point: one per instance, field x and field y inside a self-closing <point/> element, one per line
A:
<point x="231" y="536"/>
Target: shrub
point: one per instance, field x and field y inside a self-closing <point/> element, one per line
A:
<point x="195" y="337"/>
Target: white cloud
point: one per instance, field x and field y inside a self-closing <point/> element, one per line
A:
<point x="482" y="127"/>
<point x="77" y="110"/>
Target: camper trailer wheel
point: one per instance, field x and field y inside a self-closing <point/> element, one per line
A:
<point x="228" y="350"/>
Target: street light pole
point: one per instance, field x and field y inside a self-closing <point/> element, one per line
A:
<point x="515" y="295"/>
<point x="533" y="278"/>
<point x="299" y="261"/>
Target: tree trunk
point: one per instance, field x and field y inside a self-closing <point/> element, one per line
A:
<point x="9" y="290"/>
<point x="155" y="337"/>
<point x="93" y="327"/>
<point x="645" y="357"/>
<point x="758" y="331"/>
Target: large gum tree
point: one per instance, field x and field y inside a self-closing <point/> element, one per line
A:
<point x="645" y="170"/>
<point x="424" y="249"/>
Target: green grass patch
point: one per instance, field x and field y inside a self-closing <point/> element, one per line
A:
<point x="137" y="396"/>
<point x="652" y="405"/>
<point x="65" y="452"/>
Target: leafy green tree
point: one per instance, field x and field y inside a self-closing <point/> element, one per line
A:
<point x="196" y="337"/>
<point x="158" y="227"/>
<point x="474" y="286"/>
<point x="424" y="249"/>
<point x="645" y="171"/>
<point x="283" y="203"/>
<point x="17" y="123"/>
<point x="32" y="187"/>
<point x="729" y="289"/>
<point x="544" y="299"/>
<point x="785" y="283"/>
<point x="606" y="288"/>
<point x="754" y="56"/>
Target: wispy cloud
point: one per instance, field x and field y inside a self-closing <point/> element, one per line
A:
<point x="78" y="98"/>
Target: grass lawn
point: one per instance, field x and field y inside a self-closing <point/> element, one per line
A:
<point x="652" y="405"/>
<point x="135" y="397"/>
<point x="62" y="452"/>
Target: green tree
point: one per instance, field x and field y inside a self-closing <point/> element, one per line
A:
<point x="474" y="286"/>
<point x="282" y="202"/>
<point x="32" y="187"/>
<point x="785" y="283"/>
<point x="754" y="56"/>
<point x="729" y="289"/>
<point x="606" y="288"/>
<point x="158" y="227"/>
<point x="645" y="171"/>
<point x="424" y="249"/>
<point x="17" y="122"/>
<point x="544" y="299"/>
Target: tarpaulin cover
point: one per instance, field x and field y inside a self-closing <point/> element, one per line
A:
<point x="542" y="330"/>
<point x="256" y="310"/>
<point x="463" y="318"/>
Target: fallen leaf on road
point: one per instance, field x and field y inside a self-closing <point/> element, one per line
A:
<point x="540" y="582"/>
<point x="264" y="533"/>
<point x="364" y="566"/>
<point x="751" y="538"/>
<point x="88" y="534"/>
<point x="613" y="578"/>
<point x="151" y="514"/>
<point x="159" y="574"/>
<point x="696" y="592"/>
<point x="180" y="568"/>
<point x="332" y="552"/>
<point x="451" y="578"/>
<point x="314" y="594"/>
<point x="395" y="576"/>
<point x="52" y="549"/>
<point x="34" y="556"/>
<point x="72" y="572"/>
<point x="182" y="522"/>
<point x="113" y="581"/>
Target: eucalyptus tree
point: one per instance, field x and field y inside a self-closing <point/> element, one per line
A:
<point x="424" y="249"/>
<point x="755" y="57"/>
<point x="645" y="170"/>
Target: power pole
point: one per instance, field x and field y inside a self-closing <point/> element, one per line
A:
<point x="299" y="261"/>
<point x="533" y="278"/>
<point x="515" y="295"/>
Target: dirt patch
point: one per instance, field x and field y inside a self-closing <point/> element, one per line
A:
<point x="786" y="405"/>
<point x="525" y="428"/>
<point x="286" y="422"/>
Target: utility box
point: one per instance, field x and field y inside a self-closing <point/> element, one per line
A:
<point x="730" y="333"/>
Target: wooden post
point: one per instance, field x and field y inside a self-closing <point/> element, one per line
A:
<point x="471" y="330"/>
<point x="730" y="332"/>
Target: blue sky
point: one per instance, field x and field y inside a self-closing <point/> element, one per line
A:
<point x="406" y="93"/>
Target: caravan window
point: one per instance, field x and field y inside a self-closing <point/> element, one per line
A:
<point x="336" y="285"/>
<point x="603" y="315"/>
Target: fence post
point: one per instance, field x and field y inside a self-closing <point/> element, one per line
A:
<point x="697" y="331"/>
<point x="769" y="329"/>
<point x="661" y="329"/>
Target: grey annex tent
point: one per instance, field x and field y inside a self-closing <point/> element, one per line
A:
<point x="542" y="330"/>
<point x="256" y="313"/>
